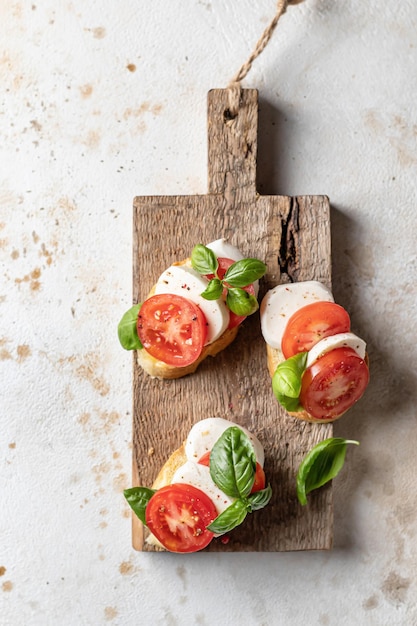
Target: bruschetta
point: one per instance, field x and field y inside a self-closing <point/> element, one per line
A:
<point x="319" y="368"/>
<point x="205" y="489"/>
<point x="193" y="311"/>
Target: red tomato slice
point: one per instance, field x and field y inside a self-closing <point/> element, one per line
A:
<point x="178" y="516"/>
<point x="224" y="265"/>
<point x="310" y="324"/>
<point x="259" y="482"/>
<point x="332" y="384"/>
<point x="172" y="329"/>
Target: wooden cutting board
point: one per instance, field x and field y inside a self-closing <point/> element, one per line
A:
<point x="292" y="235"/>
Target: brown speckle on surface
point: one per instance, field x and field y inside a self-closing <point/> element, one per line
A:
<point x="15" y="254"/>
<point x="7" y="585"/>
<point x="99" y="32"/>
<point x="12" y="446"/>
<point x="370" y="603"/>
<point x="126" y="568"/>
<point x="5" y="354"/>
<point x="110" y="612"/>
<point x="23" y="352"/>
<point x="87" y="371"/>
<point x="395" y="587"/>
<point x="32" y="279"/>
<point x="131" y="67"/>
<point x="86" y="90"/>
<point x="120" y="482"/>
<point x="2" y="570"/>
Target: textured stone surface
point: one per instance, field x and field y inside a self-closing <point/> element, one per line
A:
<point x="104" y="101"/>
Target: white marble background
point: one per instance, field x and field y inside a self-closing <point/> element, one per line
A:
<point x="101" y="101"/>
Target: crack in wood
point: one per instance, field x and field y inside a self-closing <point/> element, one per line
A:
<point x="287" y="255"/>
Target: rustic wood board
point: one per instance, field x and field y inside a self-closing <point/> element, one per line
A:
<point x="293" y="236"/>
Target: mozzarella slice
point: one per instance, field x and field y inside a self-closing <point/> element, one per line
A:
<point x="281" y="302"/>
<point x="199" y="476"/>
<point x="341" y="340"/>
<point x="222" y="248"/>
<point x="184" y="281"/>
<point x="204" y="434"/>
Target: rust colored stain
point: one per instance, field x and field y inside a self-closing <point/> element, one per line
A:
<point x="2" y="570"/>
<point x="23" y="352"/>
<point x="5" y="355"/>
<point x="86" y="90"/>
<point x="99" y="32"/>
<point x="131" y="67"/>
<point x="126" y="568"/>
<point x="7" y="585"/>
<point x="12" y="447"/>
<point x="110" y="612"/>
<point x="32" y="279"/>
<point x="87" y="371"/>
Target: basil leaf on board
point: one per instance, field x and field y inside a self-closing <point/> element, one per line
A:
<point x="230" y="518"/>
<point x="138" y="498"/>
<point x="286" y="381"/>
<point x="321" y="465"/>
<point x="244" y="272"/>
<point x="233" y="463"/>
<point x="259" y="499"/>
<point x="127" y="329"/>
<point x="241" y="302"/>
<point x="203" y="260"/>
<point x="213" y="290"/>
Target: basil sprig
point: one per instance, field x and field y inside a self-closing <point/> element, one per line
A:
<point x="286" y="381"/>
<point x="232" y="469"/>
<point x="321" y="465"/>
<point x="240" y="274"/>
<point x="138" y="498"/>
<point x="127" y="329"/>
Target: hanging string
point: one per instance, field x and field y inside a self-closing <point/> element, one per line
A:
<point x="234" y="85"/>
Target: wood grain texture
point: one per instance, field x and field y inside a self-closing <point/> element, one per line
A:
<point x="293" y="236"/>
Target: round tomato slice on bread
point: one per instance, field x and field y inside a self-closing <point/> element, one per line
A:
<point x="333" y="383"/>
<point x="172" y="329"/>
<point x="260" y="479"/>
<point x="311" y="323"/>
<point x="178" y="516"/>
<point x="224" y="265"/>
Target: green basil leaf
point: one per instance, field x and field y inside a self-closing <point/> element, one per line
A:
<point x="321" y="465"/>
<point x="138" y="498"/>
<point x="259" y="499"/>
<point x="292" y="405"/>
<point x="203" y="260"/>
<point x="286" y="381"/>
<point x="244" y="272"/>
<point x="230" y="518"/>
<point x="233" y="463"/>
<point x="214" y="290"/>
<point x="241" y="302"/>
<point x="127" y="329"/>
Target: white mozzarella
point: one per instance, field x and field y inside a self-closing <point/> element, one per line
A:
<point x="204" y="434"/>
<point x="281" y="302"/>
<point x="184" y="281"/>
<point x="341" y="340"/>
<point x="199" y="476"/>
<point x="222" y="248"/>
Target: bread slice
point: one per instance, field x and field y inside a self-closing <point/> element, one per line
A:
<point x="159" y="369"/>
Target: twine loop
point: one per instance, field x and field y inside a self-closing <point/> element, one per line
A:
<point x="234" y="86"/>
